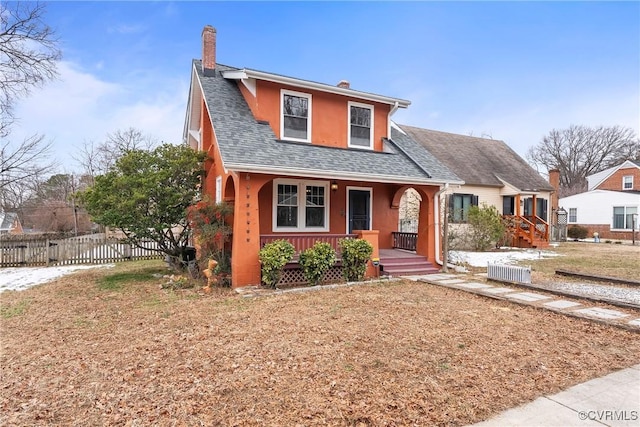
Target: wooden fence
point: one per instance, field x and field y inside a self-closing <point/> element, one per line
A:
<point x="74" y="250"/>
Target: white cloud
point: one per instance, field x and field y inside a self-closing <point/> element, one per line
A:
<point x="127" y="29"/>
<point x="80" y="106"/>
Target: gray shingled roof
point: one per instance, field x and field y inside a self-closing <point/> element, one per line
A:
<point x="246" y="144"/>
<point x="479" y="161"/>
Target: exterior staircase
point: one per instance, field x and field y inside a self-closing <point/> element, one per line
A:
<point x="394" y="262"/>
<point x="528" y="231"/>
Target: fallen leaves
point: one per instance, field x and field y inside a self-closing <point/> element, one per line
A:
<point x="393" y="354"/>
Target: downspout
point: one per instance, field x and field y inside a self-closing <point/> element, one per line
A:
<point x="436" y="214"/>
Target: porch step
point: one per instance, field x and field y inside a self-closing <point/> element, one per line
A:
<point x="407" y="266"/>
<point x="524" y="242"/>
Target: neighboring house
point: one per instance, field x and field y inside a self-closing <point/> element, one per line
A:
<point x="612" y="214"/>
<point x="10" y="223"/>
<point x="307" y="161"/>
<point x="493" y="174"/>
<point x="624" y="177"/>
<point x="612" y="204"/>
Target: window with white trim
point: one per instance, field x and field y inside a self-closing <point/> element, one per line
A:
<point x="627" y="182"/>
<point x="573" y="215"/>
<point x="296" y="116"/>
<point x="623" y="217"/>
<point x="360" y="125"/>
<point x="300" y="205"/>
<point x="218" y="189"/>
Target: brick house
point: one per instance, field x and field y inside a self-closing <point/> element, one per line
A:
<point x="611" y="205"/>
<point x="624" y="177"/>
<point x="308" y="161"/>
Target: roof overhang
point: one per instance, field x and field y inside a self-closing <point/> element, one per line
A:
<point x="246" y="73"/>
<point x="341" y="175"/>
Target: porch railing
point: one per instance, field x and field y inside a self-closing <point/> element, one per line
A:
<point x="404" y="240"/>
<point x="530" y="227"/>
<point x="304" y="241"/>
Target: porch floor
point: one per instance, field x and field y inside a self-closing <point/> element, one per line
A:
<point x="398" y="253"/>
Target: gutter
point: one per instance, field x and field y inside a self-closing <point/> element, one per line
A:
<point x="306" y="84"/>
<point x="342" y="175"/>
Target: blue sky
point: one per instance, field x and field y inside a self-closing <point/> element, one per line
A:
<point x="508" y="70"/>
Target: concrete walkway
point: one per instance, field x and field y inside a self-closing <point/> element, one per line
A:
<point x="612" y="400"/>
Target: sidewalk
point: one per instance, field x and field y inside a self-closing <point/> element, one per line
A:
<point x="612" y="400"/>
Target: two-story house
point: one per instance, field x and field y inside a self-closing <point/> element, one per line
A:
<point x="306" y="161"/>
<point x="611" y="205"/>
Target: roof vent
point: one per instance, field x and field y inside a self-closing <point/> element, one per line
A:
<point x="344" y="84"/>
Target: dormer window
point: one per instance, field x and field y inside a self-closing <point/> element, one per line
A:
<point x="296" y="116"/>
<point x="360" y="125"/>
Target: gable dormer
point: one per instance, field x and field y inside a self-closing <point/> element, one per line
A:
<point x="308" y="112"/>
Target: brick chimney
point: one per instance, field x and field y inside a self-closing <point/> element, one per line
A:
<point x="208" y="49"/>
<point x="344" y="84"/>
<point x="554" y="180"/>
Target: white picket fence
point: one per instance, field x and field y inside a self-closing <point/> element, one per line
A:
<point x="509" y="273"/>
<point x="75" y="250"/>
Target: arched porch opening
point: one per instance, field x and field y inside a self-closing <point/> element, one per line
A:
<point x="416" y="225"/>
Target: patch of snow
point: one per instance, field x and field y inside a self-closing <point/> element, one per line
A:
<point x="21" y="278"/>
<point x="481" y="259"/>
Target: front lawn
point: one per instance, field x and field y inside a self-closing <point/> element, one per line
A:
<point x="110" y="347"/>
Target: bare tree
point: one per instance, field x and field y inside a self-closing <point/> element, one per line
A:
<point x="97" y="159"/>
<point x="28" y="54"/>
<point x="580" y="151"/>
<point x="22" y="163"/>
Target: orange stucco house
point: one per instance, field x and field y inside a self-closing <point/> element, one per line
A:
<point x="308" y="161"/>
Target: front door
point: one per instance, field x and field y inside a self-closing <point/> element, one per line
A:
<point x="359" y="210"/>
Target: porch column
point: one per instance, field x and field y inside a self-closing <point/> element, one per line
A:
<point x="245" y="266"/>
<point x="426" y="243"/>
<point x="370" y="236"/>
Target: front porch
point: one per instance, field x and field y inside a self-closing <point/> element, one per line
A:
<point x="399" y="260"/>
<point x="306" y="210"/>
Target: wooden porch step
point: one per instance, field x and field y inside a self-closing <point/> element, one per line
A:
<point x="410" y="265"/>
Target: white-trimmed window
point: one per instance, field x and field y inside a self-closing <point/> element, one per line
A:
<point x="295" y="120"/>
<point x="300" y="205"/>
<point x="627" y="182"/>
<point x="360" y="131"/>
<point x="623" y="217"/>
<point x="573" y="215"/>
<point x="218" y="189"/>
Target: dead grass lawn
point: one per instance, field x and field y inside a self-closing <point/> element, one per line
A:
<point x="75" y="353"/>
<point x="604" y="259"/>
